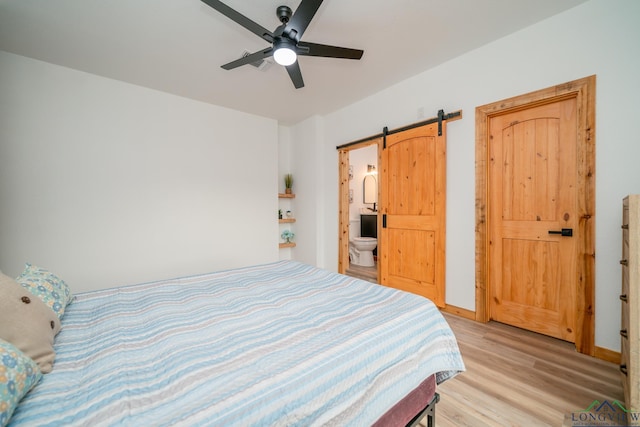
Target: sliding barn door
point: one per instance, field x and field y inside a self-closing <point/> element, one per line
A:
<point x="412" y="242"/>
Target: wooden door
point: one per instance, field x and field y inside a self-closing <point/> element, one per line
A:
<point x="411" y="246"/>
<point x="532" y="193"/>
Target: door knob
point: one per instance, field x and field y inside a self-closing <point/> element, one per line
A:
<point x="567" y="232"/>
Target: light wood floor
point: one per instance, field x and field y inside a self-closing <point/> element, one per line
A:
<point x="519" y="378"/>
<point x="366" y="273"/>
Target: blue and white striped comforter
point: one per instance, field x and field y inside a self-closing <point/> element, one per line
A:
<point x="276" y="344"/>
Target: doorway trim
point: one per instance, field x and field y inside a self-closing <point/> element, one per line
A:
<point x="584" y="90"/>
<point x="343" y="203"/>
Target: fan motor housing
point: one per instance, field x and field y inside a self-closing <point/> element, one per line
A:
<point x="284" y="13"/>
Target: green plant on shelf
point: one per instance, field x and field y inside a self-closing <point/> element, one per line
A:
<point x="287" y="235"/>
<point x="288" y="183"/>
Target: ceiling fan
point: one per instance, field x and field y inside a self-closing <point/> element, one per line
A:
<point x="285" y="40"/>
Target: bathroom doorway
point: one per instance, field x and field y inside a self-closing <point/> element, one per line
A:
<point x="359" y="221"/>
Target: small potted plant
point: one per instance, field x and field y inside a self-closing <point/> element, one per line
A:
<point x="287" y="235"/>
<point x="288" y="183"/>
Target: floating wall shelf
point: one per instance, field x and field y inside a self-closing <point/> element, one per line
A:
<point x="286" y="220"/>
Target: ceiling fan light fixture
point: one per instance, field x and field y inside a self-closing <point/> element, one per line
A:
<point x="285" y="39"/>
<point x="284" y="52"/>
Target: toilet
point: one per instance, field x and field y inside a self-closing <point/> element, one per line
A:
<point x="360" y="248"/>
<point x="361" y="251"/>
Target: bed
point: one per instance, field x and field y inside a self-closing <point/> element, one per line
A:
<point x="283" y="344"/>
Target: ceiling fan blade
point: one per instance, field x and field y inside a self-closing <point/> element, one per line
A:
<point x="315" y="49"/>
<point x="254" y="57"/>
<point x="237" y="17"/>
<point x="295" y="74"/>
<point x="301" y="18"/>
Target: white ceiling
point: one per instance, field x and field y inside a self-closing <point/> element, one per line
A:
<point x="177" y="46"/>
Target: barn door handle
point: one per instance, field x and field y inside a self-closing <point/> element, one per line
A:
<point x="567" y="232"/>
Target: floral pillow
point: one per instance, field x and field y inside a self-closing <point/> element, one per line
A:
<point x="27" y="323"/>
<point x="18" y="374"/>
<point x="52" y="290"/>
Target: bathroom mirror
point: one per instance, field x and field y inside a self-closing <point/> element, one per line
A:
<point x="370" y="191"/>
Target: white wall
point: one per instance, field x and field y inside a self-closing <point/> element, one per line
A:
<point x="107" y="183"/>
<point x="308" y="174"/>
<point x="599" y="37"/>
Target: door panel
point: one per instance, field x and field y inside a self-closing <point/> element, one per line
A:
<point x="531" y="264"/>
<point x="532" y="181"/>
<point x="412" y="259"/>
<point x="411" y="174"/>
<point x="412" y="245"/>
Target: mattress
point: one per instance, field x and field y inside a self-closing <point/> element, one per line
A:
<point x="283" y="343"/>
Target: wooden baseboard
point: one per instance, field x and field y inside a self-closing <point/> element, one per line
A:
<point x="462" y="312"/>
<point x="600" y="352"/>
<point x="607" y="355"/>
